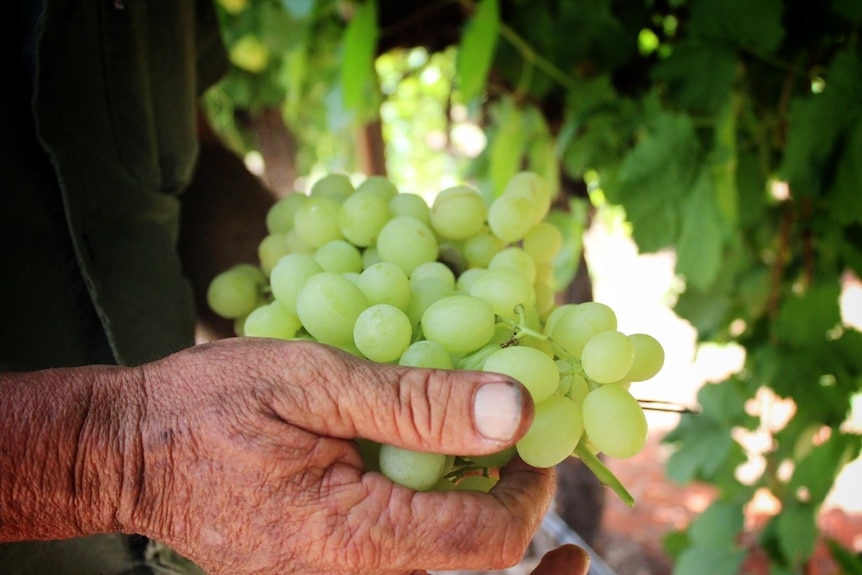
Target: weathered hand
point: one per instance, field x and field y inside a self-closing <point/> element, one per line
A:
<point x="245" y="463"/>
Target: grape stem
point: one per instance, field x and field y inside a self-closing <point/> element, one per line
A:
<point x="605" y="475"/>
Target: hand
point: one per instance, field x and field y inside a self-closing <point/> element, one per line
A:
<point x="246" y="464"/>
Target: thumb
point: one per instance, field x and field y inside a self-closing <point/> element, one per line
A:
<point x="442" y="411"/>
<point x="566" y="560"/>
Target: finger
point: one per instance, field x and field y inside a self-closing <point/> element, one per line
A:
<point x="566" y="560"/>
<point x="454" y="530"/>
<point x="455" y="412"/>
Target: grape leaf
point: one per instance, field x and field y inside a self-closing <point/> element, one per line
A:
<point x="698" y="560"/>
<point x="804" y="319"/>
<point x="357" y="65"/>
<point x="796" y="528"/>
<point x="846" y="200"/>
<point x="507" y="144"/>
<point x="718" y="526"/>
<point x="700" y="240"/>
<point x="476" y="51"/>
<point x="753" y="25"/>
<point x="817" y="472"/>
<point x="655" y="177"/>
<point x="699" y="75"/>
<point x="817" y="124"/>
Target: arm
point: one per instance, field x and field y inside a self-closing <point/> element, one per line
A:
<point x="67" y="454"/>
<point x="238" y="454"/>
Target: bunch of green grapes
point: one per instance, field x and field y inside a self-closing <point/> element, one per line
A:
<point x="459" y="284"/>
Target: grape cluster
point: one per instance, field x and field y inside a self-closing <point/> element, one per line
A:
<point x="459" y="284"/>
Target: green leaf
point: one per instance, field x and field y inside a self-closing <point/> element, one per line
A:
<point x="846" y="194"/>
<point x="476" y="51"/>
<point x="804" y="319"/>
<point x="723" y="160"/>
<point x="816" y="473"/>
<point x="850" y="562"/>
<point x="699" y="75"/>
<point x="655" y="177"/>
<point x="357" y="65"/>
<point x="796" y="528"/>
<point x="700" y="241"/>
<point x="741" y="23"/>
<point x="718" y="526"/>
<point x="818" y="123"/>
<point x="709" y="561"/>
<point x="507" y="145"/>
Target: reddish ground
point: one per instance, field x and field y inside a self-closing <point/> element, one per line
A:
<point x="631" y="542"/>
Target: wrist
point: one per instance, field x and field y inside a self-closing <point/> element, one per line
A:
<point x="108" y="464"/>
<point x="69" y="457"/>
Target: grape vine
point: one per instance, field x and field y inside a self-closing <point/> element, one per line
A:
<point x="730" y="132"/>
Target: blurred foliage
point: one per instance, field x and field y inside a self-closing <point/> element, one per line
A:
<point x="728" y="131"/>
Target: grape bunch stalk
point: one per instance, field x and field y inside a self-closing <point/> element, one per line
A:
<point x="459" y="284"/>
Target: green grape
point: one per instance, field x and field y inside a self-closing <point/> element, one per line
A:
<point x="316" y="221"/>
<point x="543" y="242"/>
<point x="270" y="250"/>
<point x="406" y="204"/>
<point x="577" y="324"/>
<point x="436" y="270"/>
<point x="480" y="483"/>
<point x="382" y="332"/>
<point x="504" y="288"/>
<point x="425" y="353"/>
<point x="556" y="429"/>
<point x="459" y="323"/>
<point x="289" y="275"/>
<point x="498" y="459"/>
<point x="517" y="259"/>
<point x="414" y="469"/>
<point x="545" y="298"/>
<point x="556" y="314"/>
<point x="480" y="248"/>
<point x="614" y="421"/>
<point x="235" y="292"/>
<point x="578" y="388"/>
<point x="533" y="368"/>
<point x="333" y="186"/>
<point x="534" y="187"/>
<point x="362" y="216"/>
<point x="328" y="305"/>
<point x="545" y="273"/>
<point x="379" y="185"/>
<point x="339" y="256"/>
<point x="648" y="359"/>
<point x="406" y="242"/>
<point x="465" y="281"/>
<point x="295" y="245"/>
<point x="271" y="320"/>
<point x="511" y="217"/>
<point x="354" y="279"/>
<point x="384" y="282"/>
<point x="607" y="356"/>
<point x="279" y="217"/>
<point x="423" y="293"/>
<point x="370" y="256"/>
<point x="458" y="213"/>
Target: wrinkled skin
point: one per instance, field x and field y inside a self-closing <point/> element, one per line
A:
<point x="244" y="462"/>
